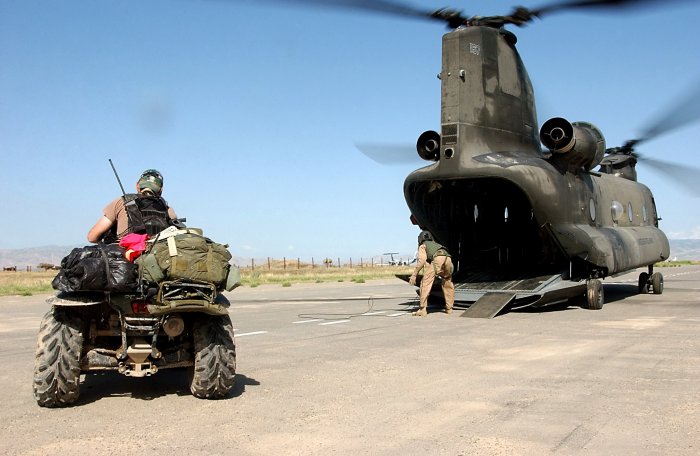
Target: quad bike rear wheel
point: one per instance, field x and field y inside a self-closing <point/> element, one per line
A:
<point x="57" y="366"/>
<point x="215" y="357"/>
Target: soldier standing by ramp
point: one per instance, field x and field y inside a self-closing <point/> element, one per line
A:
<point x="437" y="260"/>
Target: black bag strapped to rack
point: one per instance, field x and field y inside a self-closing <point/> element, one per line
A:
<point x="100" y="267"/>
<point x="186" y="254"/>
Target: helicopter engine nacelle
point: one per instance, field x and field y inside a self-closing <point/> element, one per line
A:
<point x="428" y="145"/>
<point x="578" y="143"/>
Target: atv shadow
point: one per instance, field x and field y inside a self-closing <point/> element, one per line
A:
<point x="168" y="382"/>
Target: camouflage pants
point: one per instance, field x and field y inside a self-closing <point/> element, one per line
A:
<point x="442" y="266"/>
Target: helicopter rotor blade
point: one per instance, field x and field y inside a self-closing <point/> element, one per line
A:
<point x="389" y="154"/>
<point x="454" y="18"/>
<point x="380" y="6"/>
<point x="684" y="176"/>
<point x="685" y="111"/>
<point x="593" y="4"/>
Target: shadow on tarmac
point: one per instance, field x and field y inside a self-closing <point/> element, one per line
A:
<point x="167" y="382"/>
<point x="613" y="292"/>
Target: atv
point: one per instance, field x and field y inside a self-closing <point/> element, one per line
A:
<point x="175" y="324"/>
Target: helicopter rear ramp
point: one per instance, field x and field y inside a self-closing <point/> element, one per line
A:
<point x="472" y="286"/>
<point x="486" y="293"/>
<point x="489" y="305"/>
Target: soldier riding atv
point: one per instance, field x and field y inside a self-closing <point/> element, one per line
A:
<point x="164" y="311"/>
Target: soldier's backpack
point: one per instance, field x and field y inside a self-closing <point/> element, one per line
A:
<point x="185" y="254"/>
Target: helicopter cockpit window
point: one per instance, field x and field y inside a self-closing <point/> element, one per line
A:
<point x="630" y="213"/>
<point x="591" y="209"/>
<point x="616" y="210"/>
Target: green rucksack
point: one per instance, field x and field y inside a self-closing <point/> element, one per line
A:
<point x="176" y="254"/>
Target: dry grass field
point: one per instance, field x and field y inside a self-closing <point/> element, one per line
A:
<point x="285" y="273"/>
<point x="31" y="283"/>
<point x="26" y="283"/>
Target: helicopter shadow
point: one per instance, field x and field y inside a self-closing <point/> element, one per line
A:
<point x="168" y="382"/>
<point x="619" y="291"/>
<point x="613" y="292"/>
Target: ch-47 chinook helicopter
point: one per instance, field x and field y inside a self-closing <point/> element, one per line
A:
<point x="525" y="227"/>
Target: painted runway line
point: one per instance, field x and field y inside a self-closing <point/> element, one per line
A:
<point x="398" y="314"/>
<point x="306" y="321"/>
<point x="335" y="322"/>
<point x="254" y="333"/>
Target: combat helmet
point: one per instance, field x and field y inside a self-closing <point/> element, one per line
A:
<point x="425" y="236"/>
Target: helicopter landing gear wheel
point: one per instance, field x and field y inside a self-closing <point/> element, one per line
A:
<point x="594" y="294"/>
<point x="657" y="283"/>
<point x="643" y="283"/>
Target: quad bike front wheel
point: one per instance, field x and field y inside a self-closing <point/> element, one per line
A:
<point x="215" y="357"/>
<point x="57" y="366"/>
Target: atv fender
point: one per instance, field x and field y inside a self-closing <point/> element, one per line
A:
<point x="76" y="299"/>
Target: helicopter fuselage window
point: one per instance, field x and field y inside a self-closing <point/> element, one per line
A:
<point x="616" y="210"/>
<point x="630" y="213"/>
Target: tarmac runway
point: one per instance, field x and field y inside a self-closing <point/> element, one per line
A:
<point x="343" y="368"/>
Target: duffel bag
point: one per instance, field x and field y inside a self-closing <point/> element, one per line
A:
<point x="178" y="253"/>
<point x="100" y="267"/>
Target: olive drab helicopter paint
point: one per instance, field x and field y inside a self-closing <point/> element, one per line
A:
<point x="524" y="226"/>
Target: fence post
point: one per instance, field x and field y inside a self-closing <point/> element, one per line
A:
<point x="252" y="264"/>
<point x="312" y="263"/>
<point x="284" y="263"/>
<point x="298" y="263"/>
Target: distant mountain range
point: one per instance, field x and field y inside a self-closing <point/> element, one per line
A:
<point x="22" y="258"/>
<point x="685" y="249"/>
<point x="50" y="254"/>
<point x="681" y="249"/>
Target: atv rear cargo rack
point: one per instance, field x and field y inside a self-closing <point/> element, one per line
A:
<point x="188" y="296"/>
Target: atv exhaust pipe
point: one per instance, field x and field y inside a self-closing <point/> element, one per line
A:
<point x="173" y="325"/>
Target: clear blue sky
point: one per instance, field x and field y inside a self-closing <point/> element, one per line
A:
<point x="251" y="111"/>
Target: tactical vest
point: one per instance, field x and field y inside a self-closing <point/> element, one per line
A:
<point x="434" y="249"/>
<point x="147" y="214"/>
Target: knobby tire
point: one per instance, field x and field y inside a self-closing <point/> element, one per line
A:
<point x="215" y="358"/>
<point x="56" y="380"/>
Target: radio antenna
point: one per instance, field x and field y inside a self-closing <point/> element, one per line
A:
<point x="117" y="176"/>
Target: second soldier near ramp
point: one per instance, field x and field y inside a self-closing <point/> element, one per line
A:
<point x="437" y="262"/>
